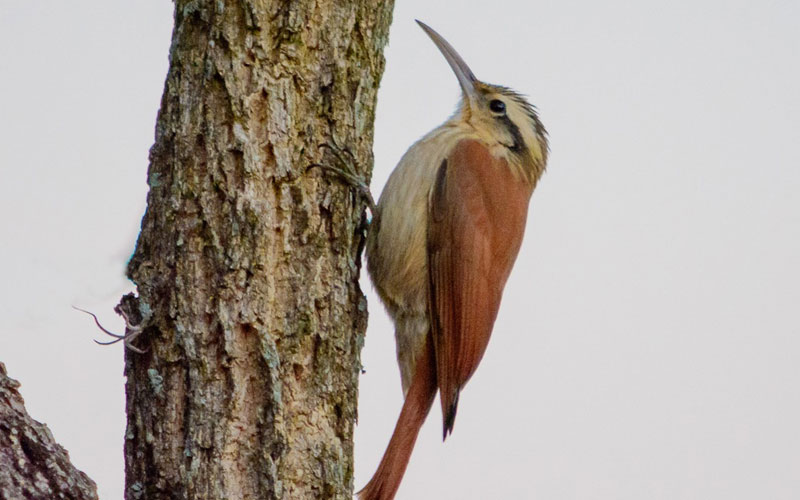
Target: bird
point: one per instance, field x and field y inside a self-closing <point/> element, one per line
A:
<point x="443" y="238"/>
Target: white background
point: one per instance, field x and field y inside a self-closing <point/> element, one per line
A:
<point x="649" y="339"/>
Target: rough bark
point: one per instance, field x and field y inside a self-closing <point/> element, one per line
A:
<point x="32" y="465"/>
<point x="247" y="266"/>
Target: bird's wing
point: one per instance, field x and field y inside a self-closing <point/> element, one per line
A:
<point x="476" y="218"/>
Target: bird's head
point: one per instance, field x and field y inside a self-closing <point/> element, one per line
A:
<point x="497" y="114"/>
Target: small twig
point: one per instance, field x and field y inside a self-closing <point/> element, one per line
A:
<point x="135" y="330"/>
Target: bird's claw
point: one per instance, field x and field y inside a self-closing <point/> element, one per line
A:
<point x="346" y="169"/>
<point x="131" y="331"/>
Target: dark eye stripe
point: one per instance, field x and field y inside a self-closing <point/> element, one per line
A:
<point x="519" y="142"/>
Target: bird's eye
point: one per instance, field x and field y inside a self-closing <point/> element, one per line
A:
<point x="497" y="106"/>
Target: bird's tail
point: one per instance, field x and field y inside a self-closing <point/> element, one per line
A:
<point x="386" y="480"/>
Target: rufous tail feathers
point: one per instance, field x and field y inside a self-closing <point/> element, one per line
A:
<point x="386" y="480"/>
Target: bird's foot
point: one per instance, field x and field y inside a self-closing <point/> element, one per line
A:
<point x="131" y="331"/>
<point x="346" y="169"/>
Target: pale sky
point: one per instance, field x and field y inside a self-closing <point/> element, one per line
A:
<point x="648" y="342"/>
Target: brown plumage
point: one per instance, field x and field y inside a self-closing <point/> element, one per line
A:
<point x="448" y="227"/>
<point x="475" y="226"/>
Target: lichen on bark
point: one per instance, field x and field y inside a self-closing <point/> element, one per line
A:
<point x="247" y="264"/>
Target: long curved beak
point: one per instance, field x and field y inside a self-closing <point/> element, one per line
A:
<point x="465" y="76"/>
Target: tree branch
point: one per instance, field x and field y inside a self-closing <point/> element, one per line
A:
<point x="32" y="465"/>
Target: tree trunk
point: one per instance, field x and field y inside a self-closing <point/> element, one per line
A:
<point x="247" y="265"/>
<point x="32" y="465"/>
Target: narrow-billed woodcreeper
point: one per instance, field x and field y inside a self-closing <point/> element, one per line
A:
<point x="444" y="236"/>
